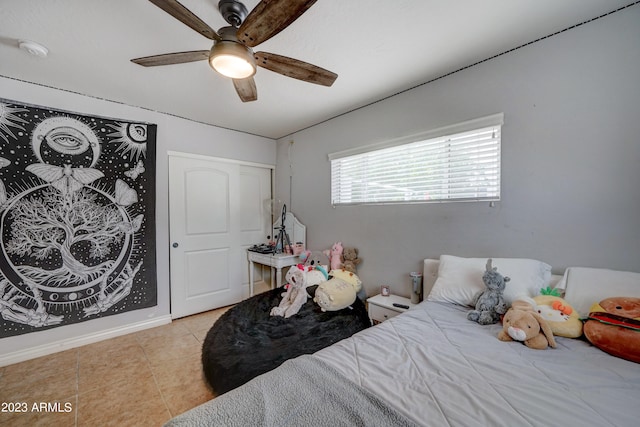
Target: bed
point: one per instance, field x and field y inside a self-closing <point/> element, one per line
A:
<point x="432" y="366"/>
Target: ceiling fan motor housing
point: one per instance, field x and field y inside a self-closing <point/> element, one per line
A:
<point x="233" y="12"/>
<point x="228" y="34"/>
<point x="230" y="53"/>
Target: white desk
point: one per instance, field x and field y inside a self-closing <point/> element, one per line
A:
<point x="277" y="261"/>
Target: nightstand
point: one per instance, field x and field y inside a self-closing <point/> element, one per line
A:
<point x="381" y="308"/>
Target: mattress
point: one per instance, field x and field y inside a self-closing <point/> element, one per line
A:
<point x="431" y="366"/>
<point x="438" y="368"/>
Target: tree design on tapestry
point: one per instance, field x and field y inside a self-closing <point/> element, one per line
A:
<point x="76" y="217"/>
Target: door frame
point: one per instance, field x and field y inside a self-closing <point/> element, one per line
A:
<point x="172" y="153"/>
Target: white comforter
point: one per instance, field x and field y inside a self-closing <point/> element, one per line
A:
<point x="431" y="366"/>
<point x="440" y="369"/>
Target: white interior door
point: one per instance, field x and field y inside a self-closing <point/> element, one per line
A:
<point x="255" y="220"/>
<point x="212" y="206"/>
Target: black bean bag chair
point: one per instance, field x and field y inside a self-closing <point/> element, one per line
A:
<point x="246" y="341"/>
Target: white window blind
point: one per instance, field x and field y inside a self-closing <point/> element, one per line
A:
<point x="461" y="166"/>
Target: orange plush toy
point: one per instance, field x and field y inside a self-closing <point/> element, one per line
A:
<point x="614" y="326"/>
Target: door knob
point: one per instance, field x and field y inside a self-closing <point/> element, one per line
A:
<point x="175" y="244"/>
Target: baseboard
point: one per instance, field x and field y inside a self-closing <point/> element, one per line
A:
<point x="69" y="343"/>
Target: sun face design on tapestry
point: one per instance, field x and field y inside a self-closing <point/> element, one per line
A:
<point x="77" y="217"/>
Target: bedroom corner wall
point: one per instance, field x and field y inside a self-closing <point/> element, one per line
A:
<point x="570" y="161"/>
<point x="174" y="134"/>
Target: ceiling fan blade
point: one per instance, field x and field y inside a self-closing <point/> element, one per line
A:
<point x="172" y="58"/>
<point x="246" y="89"/>
<point x="184" y="15"/>
<point x="296" y="69"/>
<point x="270" y="17"/>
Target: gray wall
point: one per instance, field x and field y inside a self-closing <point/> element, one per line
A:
<point x="570" y="161"/>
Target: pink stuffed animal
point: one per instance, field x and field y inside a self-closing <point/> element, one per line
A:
<point x="335" y="256"/>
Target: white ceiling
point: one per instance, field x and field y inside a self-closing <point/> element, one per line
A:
<point x="377" y="48"/>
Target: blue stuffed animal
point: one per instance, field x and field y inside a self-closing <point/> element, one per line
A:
<point x="490" y="302"/>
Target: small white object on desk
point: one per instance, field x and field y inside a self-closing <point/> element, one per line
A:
<point x="277" y="261"/>
<point x="381" y="307"/>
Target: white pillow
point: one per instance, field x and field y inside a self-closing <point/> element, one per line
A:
<point x="587" y="286"/>
<point x="460" y="279"/>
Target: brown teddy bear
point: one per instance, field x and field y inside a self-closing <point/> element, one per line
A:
<point x="522" y="323"/>
<point x="350" y="259"/>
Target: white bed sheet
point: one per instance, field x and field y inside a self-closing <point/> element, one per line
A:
<point x="438" y="368"/>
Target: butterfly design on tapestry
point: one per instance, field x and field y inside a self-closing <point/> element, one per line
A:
<point x="125" y="195"/>
<point x="65" y="179"/>
<point x="135" y="172"/>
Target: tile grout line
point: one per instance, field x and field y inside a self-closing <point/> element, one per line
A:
<point x="153" y="374"/>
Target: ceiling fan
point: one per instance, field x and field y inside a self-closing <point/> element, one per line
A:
<point x="231" y="54"/>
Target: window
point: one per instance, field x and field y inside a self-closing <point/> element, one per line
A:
<point x="455" y="163"/>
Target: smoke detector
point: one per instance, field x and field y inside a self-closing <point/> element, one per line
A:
<point x="33" y="48"/>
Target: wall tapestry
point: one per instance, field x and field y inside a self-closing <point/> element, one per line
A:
<point x="77" y="217"/>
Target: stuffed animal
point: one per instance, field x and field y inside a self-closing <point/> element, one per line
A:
<point x="296" y="294"/>
<point x="523" y="323"/>
<point x="335" y="255"/>
<point x="348" y="277"/>
<point x="350" y="259"/>
<point x="563" y="320"/>
<point x="335" y="294"/>
<point x="490" y="302"/>
<point x="614" y="326"/>
<point x="314" y="259"/>
<point x="314" y="275"/>
<point x="339" y="292"/>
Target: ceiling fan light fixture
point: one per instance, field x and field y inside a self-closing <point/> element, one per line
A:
<point x="232" y="59"/>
